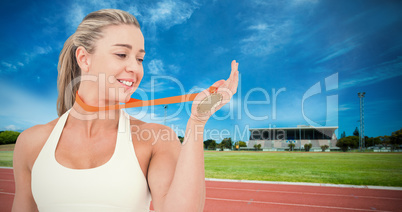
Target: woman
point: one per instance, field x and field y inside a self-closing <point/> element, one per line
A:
<point x="96" y="161"/>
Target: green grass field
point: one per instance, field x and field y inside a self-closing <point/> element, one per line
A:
<point x="382" y="169"/>
<point x="6" y="158"/>
<point x="338" y="168"/>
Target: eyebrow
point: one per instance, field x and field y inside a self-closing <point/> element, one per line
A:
<point x="128" y="46"/>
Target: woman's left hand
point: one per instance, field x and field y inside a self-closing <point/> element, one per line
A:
<point x="227" y="88"/>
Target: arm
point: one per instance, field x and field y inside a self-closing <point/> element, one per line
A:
<point x="23" y="199"/>
<point x="176" y="176"/>
<point x="176" y="172"/>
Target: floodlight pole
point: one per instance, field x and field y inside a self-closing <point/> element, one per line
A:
<point x="361" y="134"/>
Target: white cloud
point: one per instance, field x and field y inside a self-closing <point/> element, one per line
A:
<point x="371" y="75"/>
<point x="42" y="50"/>
<point x="337" y="54"/>
<point x="8" y="67"/>
<point x="200" y="86"/>
<point x="30" y="55"/>
<point x="134" y="10"/>
<point x="259" y="27"/>
<point x="339" y="49"/>
<point x="163" y="14"/>
<point x="155" y="67"/>
<point x="345" y="107"/>
<point x="169" y="13"/>
<point x="12" y="127"/>
<point x="74" y="17"/>
<point x="173" y="69"/>
<point x="156" y="87"/>
<point x="79" y="9"/>
<point x="266" y="39"/>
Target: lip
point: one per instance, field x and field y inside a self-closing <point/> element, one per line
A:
<point x="127" y="79"/>
<point x="125" y="86"/>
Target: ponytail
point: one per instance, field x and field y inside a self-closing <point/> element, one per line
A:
<point x="68" y="71"/>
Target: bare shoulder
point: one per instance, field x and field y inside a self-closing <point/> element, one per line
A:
<point x="157" y="135"/>
<point x="30" y="141"/>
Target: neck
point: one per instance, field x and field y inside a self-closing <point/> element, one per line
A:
<point x="92" y="122"/>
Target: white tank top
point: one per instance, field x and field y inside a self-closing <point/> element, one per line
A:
<point x="117" y="185"/>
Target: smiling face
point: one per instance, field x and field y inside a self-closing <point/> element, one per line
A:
<point x="118" y="60"/>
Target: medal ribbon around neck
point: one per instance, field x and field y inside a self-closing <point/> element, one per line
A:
<point x="202" y="107"/>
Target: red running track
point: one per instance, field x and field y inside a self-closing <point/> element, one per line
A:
<point x="231" y="196"/>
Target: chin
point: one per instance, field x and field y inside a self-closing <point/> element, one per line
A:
<point x="125" y="97"/>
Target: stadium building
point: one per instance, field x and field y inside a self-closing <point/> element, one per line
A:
<point x="278" y="139"/>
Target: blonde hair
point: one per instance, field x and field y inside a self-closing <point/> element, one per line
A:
<point x="86" y="35"/>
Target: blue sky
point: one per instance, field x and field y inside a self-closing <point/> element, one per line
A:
<point x="286" y="50"/>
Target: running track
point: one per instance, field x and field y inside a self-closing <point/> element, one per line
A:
<point x="234" y="196"/>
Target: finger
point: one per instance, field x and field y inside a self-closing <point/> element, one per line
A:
<point x="233" y="69"/>
<point x="233" y="82"/>
<point x="236" y="78"/>
<point x="236" y="82"/>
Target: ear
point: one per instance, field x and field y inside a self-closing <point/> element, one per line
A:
<point x="83" y="58"/>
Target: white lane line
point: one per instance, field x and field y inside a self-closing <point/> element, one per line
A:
<point x="306" y="184"/>
<point x="290" y="204"/>
<point x="7" y="193"/>
<point x="295" y="192"/>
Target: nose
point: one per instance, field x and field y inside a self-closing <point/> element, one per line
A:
<point x="133" y="66"/>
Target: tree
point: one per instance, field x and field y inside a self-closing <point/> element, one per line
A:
<point x="376" y="141"/>
<point x="356" y="132"/>
<point x="291" y="146"/>
<point x="324" y="147"/>
<point x="396" y="139"/>
<point x="343" y="144"/>
<point x="181" y="138"/>
<point x="240" y="144"/>
<point x="307" y="147"/>
<point x="343" y="134"/>
<point x="227" y="142"/>
<point x="221" y="146"/>
<point x="348" y="142"/>
<point x="371" y="141"/>
<point x="385" y="140"/>
<point x="208" y="142"/>
<point x="257" y="146"/>
<point x="8" y="137"/>
<point x="212" y="145"/>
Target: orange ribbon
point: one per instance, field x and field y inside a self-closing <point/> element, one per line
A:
<point x="140" y="103"/>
